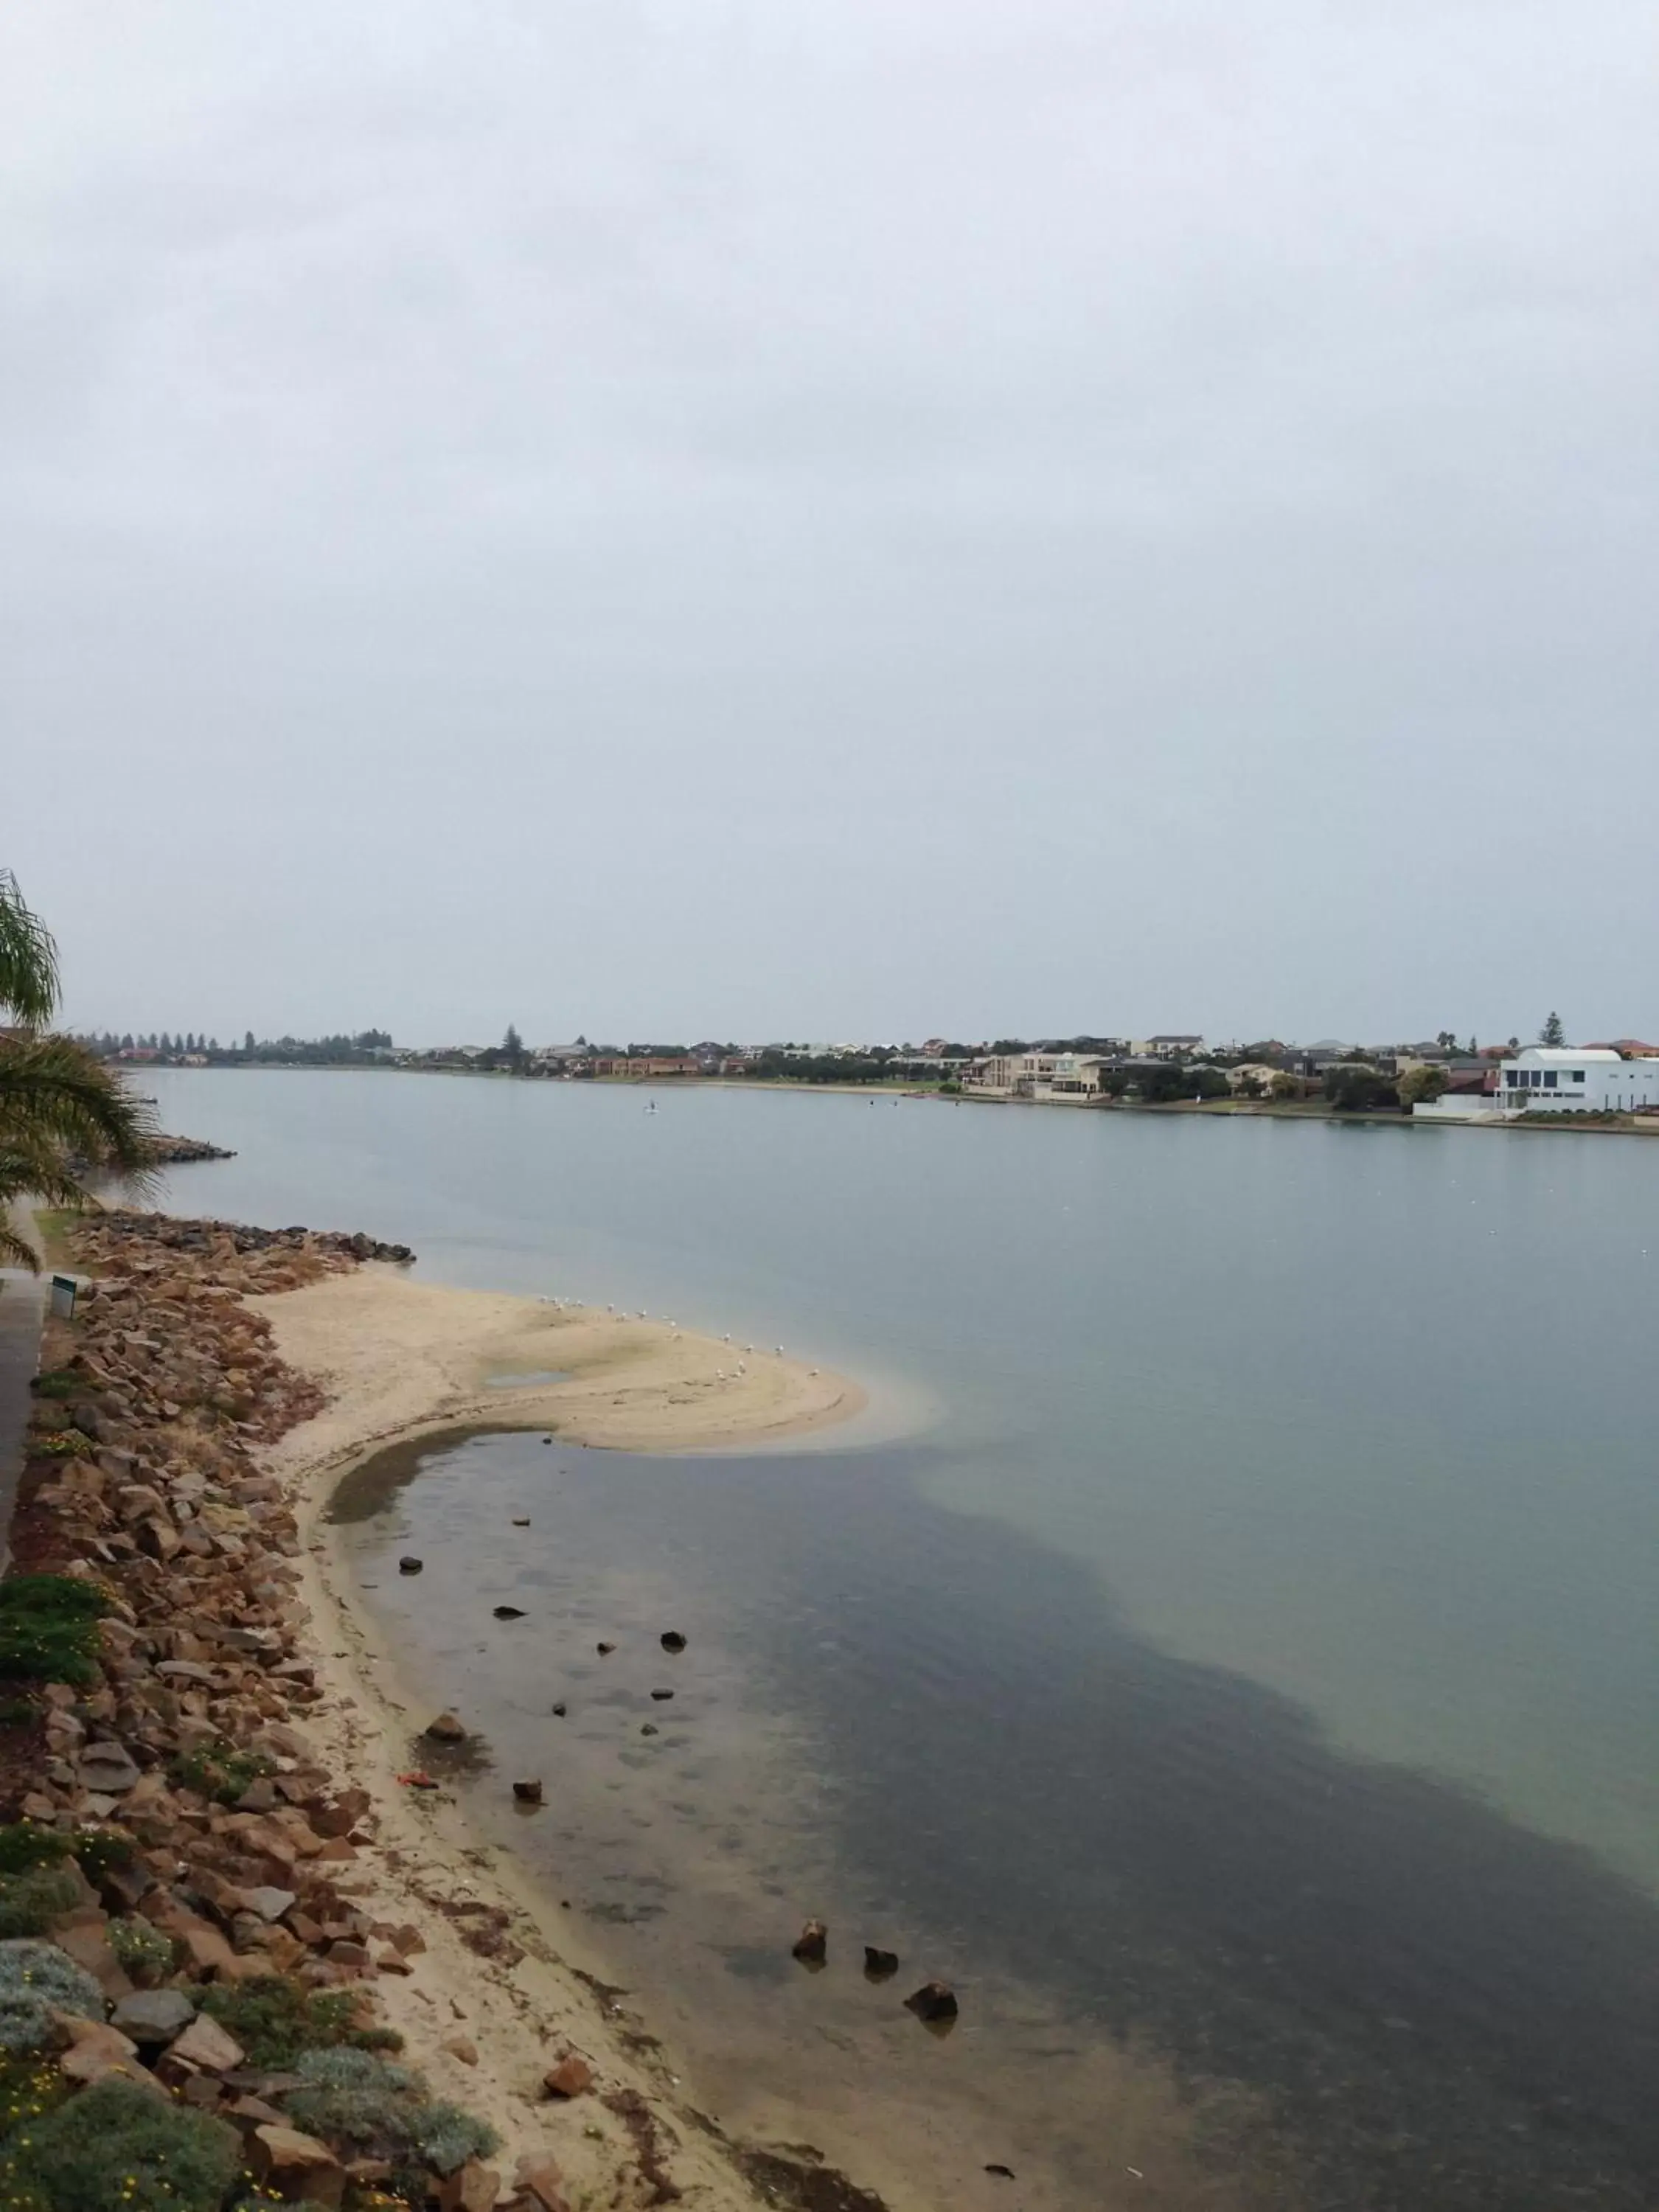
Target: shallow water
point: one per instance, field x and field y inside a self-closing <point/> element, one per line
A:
<point x="1254" y="1667"/>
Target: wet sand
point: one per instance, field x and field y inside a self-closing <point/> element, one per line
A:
<point x="401" y="1360"/>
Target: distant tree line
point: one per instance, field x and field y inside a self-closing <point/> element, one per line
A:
<point x="342" y="1051"/>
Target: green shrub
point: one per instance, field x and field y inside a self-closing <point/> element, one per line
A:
<point x="35" y="1978"/>
<point x="119" y="2145"/>
<point x="29" y="1903"/>
<point x="49" y="1628"/>
<point x="362" y="2104"/>
<point x="58" y="1383"/>
<point x="276" y="2019"/>
<point x="30" y="1844"/>
<point x="144" y="1954"/>
<point x="63" y="1444"/>
<point x="219" y="1770"/>
<point x="17" y="1712"/>
<point x="29" y="2088"/>
<point x="98" y="1850"/>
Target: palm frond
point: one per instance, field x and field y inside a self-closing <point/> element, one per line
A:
<point x="28" y="959"/>
<point x="15" y="1252"/>
<point x="57" y="1099"/>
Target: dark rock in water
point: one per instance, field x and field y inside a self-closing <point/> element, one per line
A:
<point x="527" y="1793"/>
<point x="559" y="1712"/>
<point x="811" y="1946"/>
<point x="604" y="1650"/>
<point x="410" y="1565"/>
<point x="673" y="1640"/>
<point x="933" y="2002"/>
<point x="547" y="1440"/>
<point x="1004" y="2172"/>
<point x="446" y="1729"/>
<point x="525" y="1523"/>
<point x="509" y="1612"/>
<point x="879" y="1966"/>
<point x="662" y="1695"/>
<point x="650" y="1729"/>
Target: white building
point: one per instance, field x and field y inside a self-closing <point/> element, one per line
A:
<point x="1047" y="1078"/>
<point x="1592" y="1079"/>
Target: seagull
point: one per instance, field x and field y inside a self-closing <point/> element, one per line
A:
<point x="726" y="1339"/>
<point x="749" y="1348"/>
<point x="778" y="1348"/>
<point x="742" y="1370"/>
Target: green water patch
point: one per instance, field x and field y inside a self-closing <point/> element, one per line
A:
<point x="367" y="1488"/>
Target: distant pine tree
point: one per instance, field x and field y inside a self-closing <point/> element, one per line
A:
<point x="1553" y="1032"/>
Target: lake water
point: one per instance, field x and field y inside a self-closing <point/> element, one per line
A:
<point x="1243" y="1686"/>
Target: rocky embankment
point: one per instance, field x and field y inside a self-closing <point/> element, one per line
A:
<point x="188" y="2013"/>
<point x="299" y="1255"/>
<point x="176" y="1152"/>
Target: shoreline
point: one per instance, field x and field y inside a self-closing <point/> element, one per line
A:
<point x="558" y="1992"/>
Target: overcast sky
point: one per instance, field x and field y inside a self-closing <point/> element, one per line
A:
<point x="833" y="518"/>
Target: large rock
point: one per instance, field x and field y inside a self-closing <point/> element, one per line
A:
<point x="95" y="2050"/>
<point x="446" y="1729"/>
<point x="471" y="2188"/>
<point x="206" y="2044"/>
<point x="569" y="2078"/>
<point x="539" y="2180"/>
<point x="296" y="2169"/>
<point x="152" y="2016"/>
<point x="107" y="1769"/>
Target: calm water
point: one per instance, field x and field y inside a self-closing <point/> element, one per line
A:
<point x="1251" y="1669"/>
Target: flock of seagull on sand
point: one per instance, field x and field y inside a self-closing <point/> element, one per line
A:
<point x="639" y="1313"/>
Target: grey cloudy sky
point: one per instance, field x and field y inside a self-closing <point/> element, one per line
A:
<point x="833" y="516"/>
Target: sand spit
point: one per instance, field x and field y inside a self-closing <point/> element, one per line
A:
<point x="396" y="1357"/>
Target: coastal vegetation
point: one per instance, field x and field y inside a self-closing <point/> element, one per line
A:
<point x="63" y="1113"/>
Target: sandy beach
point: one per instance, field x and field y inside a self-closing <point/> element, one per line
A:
<point x="399" y="1359"/>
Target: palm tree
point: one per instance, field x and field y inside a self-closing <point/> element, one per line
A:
<point x="63" y="1116"/>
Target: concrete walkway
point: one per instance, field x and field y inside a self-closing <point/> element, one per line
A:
<point x="22" y="1306"/>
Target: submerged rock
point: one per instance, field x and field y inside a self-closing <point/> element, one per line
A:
<point x="673" y="1640"/>
<point x="811" y="1946"/>
<point x="410" y="1565"/>
<point x="446" y="1729"/>
<point x="509" y="1612"/>
<point x="604" y="1650"/>
<point x="879" y="1966"/>
<point x="560" y="1710"/>
<point x="933" y="2002"/>
<point x="527" y="1793"/>
<point x="662" y="1695"/>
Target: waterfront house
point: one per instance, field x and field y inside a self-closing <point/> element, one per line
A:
<point x="1578" y="1080"/>
<point x="1047" y="1079"/>
<point x="1170" y="1047"/>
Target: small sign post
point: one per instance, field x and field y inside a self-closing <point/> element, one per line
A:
<point x="64" y="1288"/>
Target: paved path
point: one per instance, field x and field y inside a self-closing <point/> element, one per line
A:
<point x="22" y="1301"/>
